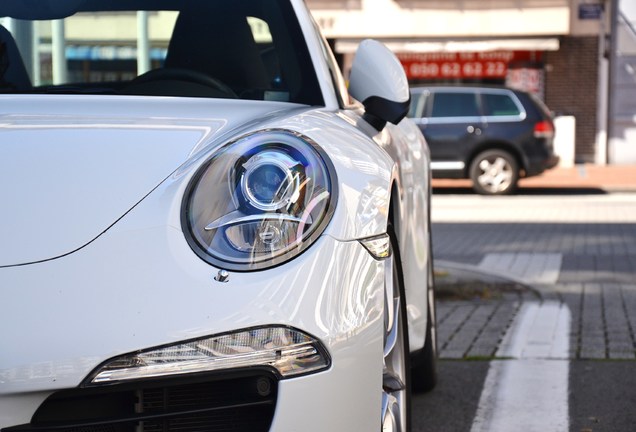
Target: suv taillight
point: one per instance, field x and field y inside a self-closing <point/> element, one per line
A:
<point x="544" y="129"/>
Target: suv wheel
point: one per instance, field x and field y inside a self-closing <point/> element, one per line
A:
<point x="494" y="172"/>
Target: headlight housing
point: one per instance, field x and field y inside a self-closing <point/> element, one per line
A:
<point x="287" y="351"/>
<point x="259" y="201"/>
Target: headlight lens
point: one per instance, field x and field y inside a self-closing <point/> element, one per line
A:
<point x="259" y="201"/>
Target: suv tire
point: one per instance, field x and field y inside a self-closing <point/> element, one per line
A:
<point x="494" y="172"/>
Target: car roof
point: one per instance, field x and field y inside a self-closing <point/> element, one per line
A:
<point x="460" y="87"/>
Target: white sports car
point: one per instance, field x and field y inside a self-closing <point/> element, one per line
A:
<point x="230" y="239"/>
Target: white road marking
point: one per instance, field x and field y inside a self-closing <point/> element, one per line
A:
<point x="531" y="268"/>
<point x="540" y="331"/>
<point x="529" y="390"/>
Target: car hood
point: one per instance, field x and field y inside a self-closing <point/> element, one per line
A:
<point x="67" y="177"/>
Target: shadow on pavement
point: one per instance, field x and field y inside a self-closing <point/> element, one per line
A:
<point x="456" y="282"/>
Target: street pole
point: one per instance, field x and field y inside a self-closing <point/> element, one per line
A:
<point x="35" y="55"/>
<point x="58" y="41"/>
<point x="611" y="80"/>
<point x="602" y="87"/>
<point x="143" y="43"/>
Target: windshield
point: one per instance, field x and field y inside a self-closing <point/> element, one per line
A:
<point x="247" y="49"/>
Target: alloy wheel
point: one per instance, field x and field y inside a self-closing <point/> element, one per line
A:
<point x="496" y="175"/>
<point x="494" y="172"/>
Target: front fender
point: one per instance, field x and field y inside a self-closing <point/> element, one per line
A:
<point x="364" y="170"/>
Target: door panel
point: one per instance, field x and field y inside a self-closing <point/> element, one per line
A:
<point x="453" y="125"/>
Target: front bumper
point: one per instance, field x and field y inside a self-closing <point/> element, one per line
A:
<point x="133" y="289"/>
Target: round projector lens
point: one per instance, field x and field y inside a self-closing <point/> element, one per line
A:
<point x="268" y="182"/>
<point x="265" y="182"/>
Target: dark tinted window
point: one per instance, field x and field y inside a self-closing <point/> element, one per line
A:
<point x="250" y="49"/>
<point x="416" y="109"/>
<point x="499" y="105"/>
<point x="454" y="104"/>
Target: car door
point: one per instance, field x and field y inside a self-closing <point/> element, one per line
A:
<point x="507" y="120"/>
<point x="452" y="125"/>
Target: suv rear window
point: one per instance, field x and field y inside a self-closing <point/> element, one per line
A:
<point x="455" y="104"/>
<point x="499" y="105"/>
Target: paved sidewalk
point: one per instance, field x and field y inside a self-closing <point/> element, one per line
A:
<point x="610" y="178"/>
<point x="476" y="309"/>
<point x="570" y="249"/>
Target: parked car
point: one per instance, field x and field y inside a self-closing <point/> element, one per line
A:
<point x="232" y="240"/>
<point x="491" y="135"/>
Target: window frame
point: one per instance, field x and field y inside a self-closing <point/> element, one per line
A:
<point x="481" y="118"/>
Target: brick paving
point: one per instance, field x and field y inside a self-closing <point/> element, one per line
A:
<point x="488" y="251"/>
<point x="473" y="330"/>
<point x="603" y="320"/>
<point x="474" y="310"/>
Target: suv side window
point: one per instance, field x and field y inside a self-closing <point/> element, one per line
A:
<point x="418" y="101"/>
<point x="499" y="105"/>
<point x="455" y="104"/>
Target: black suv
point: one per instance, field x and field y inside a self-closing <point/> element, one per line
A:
<point x="492" y="135"/>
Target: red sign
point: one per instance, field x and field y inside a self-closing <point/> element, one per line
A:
<point x="527" y="79"/>
<point x="437" y="65"/>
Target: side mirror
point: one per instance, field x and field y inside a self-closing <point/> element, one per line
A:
<point x="378" y="81"/>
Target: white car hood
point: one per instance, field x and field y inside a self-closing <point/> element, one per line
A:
<point x="67" y="177"/>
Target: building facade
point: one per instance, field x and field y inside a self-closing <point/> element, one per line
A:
<point x="556" y="49"/>
<point x="578" y="56"/>
<point x="621" y="146"/>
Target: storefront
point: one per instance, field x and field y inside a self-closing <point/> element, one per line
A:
<point x="551" y="48"/>
<point x="518" y="63"/>
<point x="518" y="69"/>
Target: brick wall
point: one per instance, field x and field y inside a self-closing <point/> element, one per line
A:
<point x="571" y="88"/>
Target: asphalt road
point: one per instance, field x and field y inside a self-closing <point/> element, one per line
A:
<point x="602" y="398"/>
<point x="536" y="313"/>
<point x="452" y="406"/>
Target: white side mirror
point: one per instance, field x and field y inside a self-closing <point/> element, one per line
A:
<point x="378" y="81"/>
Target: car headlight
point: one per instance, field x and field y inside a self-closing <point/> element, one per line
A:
<point x="288" y="352"/>
<point x="259" y="201"/>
